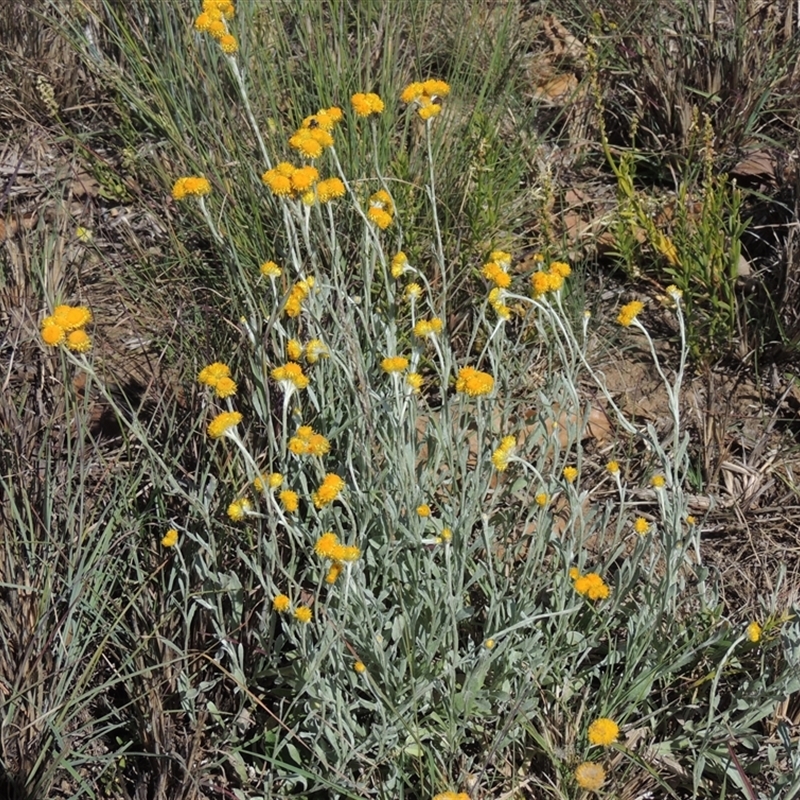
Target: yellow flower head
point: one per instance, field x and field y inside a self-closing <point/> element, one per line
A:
<point x="303" y="178"/>
<point x="223" y="424"/>
<point x="541" y="499"/>
<point x="494" y="273"/>
<point x="658" y="481"/>
<point x="289" y="500"/>
<point x="613" y="467"/>
<point x="570" y="473"/>
<point x="53" y="334"/>
<point x="503" y="453"/>
<point x="329" y="189"/>
<point x="281" y="603"/>
<point x="501" y="257"/>
<point x="382" y="199"/>
<point x="192" y="186"/>
<point x="290" y="375"/>
<point x="359" y="667"/>
<point x="414" y="381"/>
<point x="328" y="491"/>
<point x="225" y="388"/>
<point x="78" y="341"/>
<point x="213" y="373"/>
<point x="239" y="509"/>
<point x="315" y="350"/>
<point x="279" y="179"/>
<point x="629" y="312"/>
<point x="228" y="44"/>
<point x="427" y="327"/>
<point x="303" y="614"/>
<point x="327" y="545"/>
<point x="399" y="264"/>
<point x="413" y="291"/>
<point x="394" y="364"/>
<point x="170" y="538"/>
<point x="71" y="318"/>
<point x="592" y="586"/>
<point x="381" y="218"/>
<point x="473" y="382"/>
<point x="294" y="350"/>
<point x="275" y="480"/>
<point x="334" y="571"/>
<point x="424" y="510"/>
<point x="366" y="104"/>
<point x="753" y="632"/>
<point x="308" y="443"/>
<point x="641" y="526"/>
<point x="489" y="644"/>
<point x="603" y="732"/>
<point x="427" y="96"/>
<point x="590" y="776"/>
<point x="561" y="269"/>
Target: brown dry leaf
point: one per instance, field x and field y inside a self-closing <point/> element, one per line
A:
<point x="558" y="90"/>
<point x="564" y="44"/>
<point x="758" y="164"/>
<point x="85" y="185"/>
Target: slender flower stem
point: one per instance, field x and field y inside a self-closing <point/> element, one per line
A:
<point x="436" y="228"/>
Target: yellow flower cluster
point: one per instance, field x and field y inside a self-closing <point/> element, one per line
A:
<point x="473" y="382"/>
<point x="193" y="186"/>
<point x="66" y="326"/>
<point x="170" y="538"/>
<point x="299" y="292"/>
<point x="629" y="312"/>
<point x="570" y="474"/>
<point x="550" y="279"/>
<point x="590" y="585"/>
<point x="223" y="424"/>
<point x="239" y="509"/>
<point x="307" y="443"/>
<point x="328" y="546"/>
<point x="290" y="375"/>
<point x="495" y="270"/>
<point x="381" y="209"/>
<point x="281" y="604"/>
<point x="213" y="20"/>
<point x="366" y="104"/>
<point x="269" y="269"/>
<point x="399" y="264"/>
<point x="218" y="377"/>
<point x="290" y="500"/>
<point x="427" y="96"/>
<point x="590" y="776"/>
<point x="603" y="732"/>
<point x="287" y="180"/>
<point x="315" y="132"/>
<point x="394" y="364"/>
<point x="502" y="455"/>
<point x="329" y="490"/>
<point x="272" y="481"/>
<point x="427" y="327"/>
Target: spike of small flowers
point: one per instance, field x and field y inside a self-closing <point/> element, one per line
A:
<point x="629" y="312"/>
<point x="473" y="382"/>
<point x="223" y="424"/>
